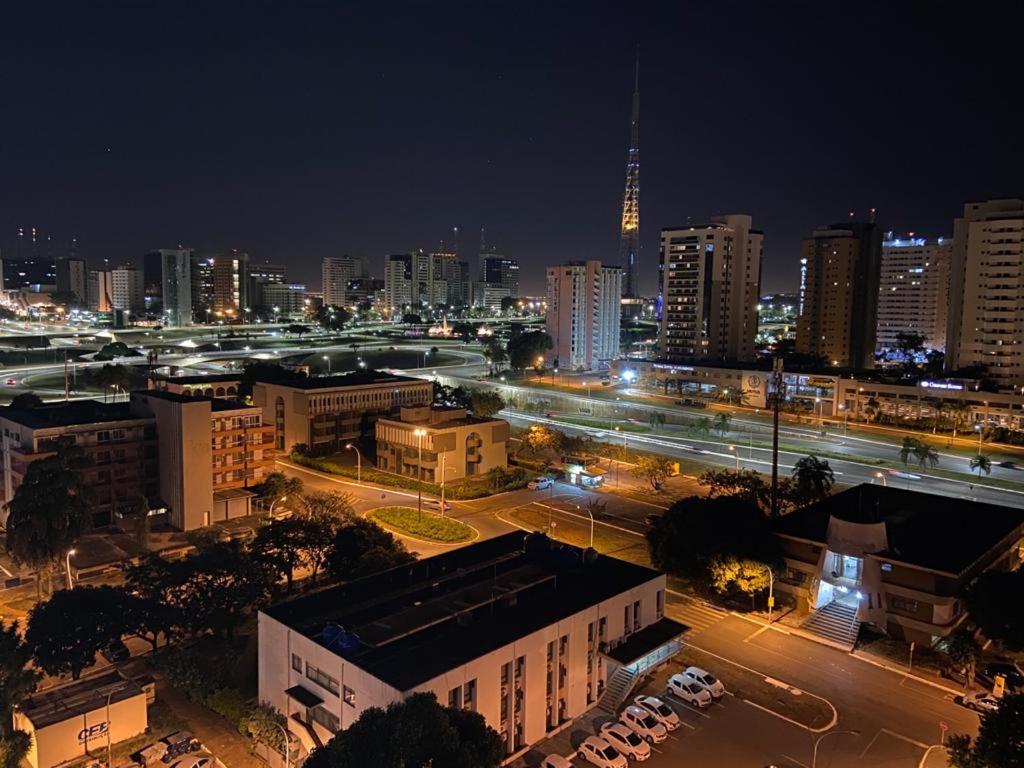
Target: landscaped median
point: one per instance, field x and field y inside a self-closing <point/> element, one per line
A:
<point x="424" y="525"/>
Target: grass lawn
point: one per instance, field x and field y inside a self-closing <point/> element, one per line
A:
<point x="429" y="526"/>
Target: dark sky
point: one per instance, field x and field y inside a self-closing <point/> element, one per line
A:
<point x="296" y="131"/>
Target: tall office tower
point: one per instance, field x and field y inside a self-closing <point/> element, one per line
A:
<point x="629" y="233"/>
<point x="913" y="292"/>
<point x="986" y="307"/>
<point x="711" y="278"/>
<point x="582" y="316"/>
<point x="202" y="287"/>
<point x="336" y="272"/>
<point x="230" y="283"/>
<point x="127" y="290"/>
<point x="71" y="277"/>
<point x="260" y="275"/>
<point x="100" y="290"/>
<point x="167" y="276"/>
<point x="450" y="278"/>
<point x="498" y="270"/>
<point x="398" y="283"/>
<point x="840" y="269"/>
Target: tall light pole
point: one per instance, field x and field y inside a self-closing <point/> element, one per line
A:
<point x="67" y="566"/>
<point x="881" y="476"/>
<point x="419" y="473"/>
<point x="274" y="503"/>
<point x="817" y="741"/>
<point x="327" y="358"/>
<point x="359" y="462"/>
<point x="735" y="455"/>
<point x="443" y="470"/>
<point x="110" y="761"/>
<point x="846" y="416"/>
<point x="591" y="515"/>
<point x="286" y="744"/>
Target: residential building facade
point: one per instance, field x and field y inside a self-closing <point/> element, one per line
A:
<point x="337" y="272"/>
<point x="913" y="292"/>
<point x="100" y="290"/>
<point x="127" y="289"/>
<point x="71" y="277"/>
<point x="840" y="272"/>
<point x="231" y="284"/>
<point x="167" y="274"/>
<point x="710" y="281"/>
<point x="583" y="314"/>
<point x="986" y="320"/>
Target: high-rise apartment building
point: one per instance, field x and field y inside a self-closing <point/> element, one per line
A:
<point x="710" y="280"/>
<point x="840" y="269"/>
<point x="127" y="289"/>
<point x="167" y="276"/>
<point x="100" y="291"/>
<point x="202" y="287"/>
<point x="261" y="275"/>
<point x="231" y="283"/>
<point x="72" y="276"/>
<point x="398" y="282"/>
<point x="498" y="270"/>
<point x="986" y="308"/>
<point x="913" y="293"/>
<point x="582" y="316"/>
<point x="337" y="272"/>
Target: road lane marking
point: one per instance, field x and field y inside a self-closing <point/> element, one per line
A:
<point x="755" y="633"/>
<point x="794" y="760"/>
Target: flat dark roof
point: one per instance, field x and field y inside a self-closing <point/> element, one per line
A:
<point x="410" y="624"/>
<point x="70" y="413"/>
<point x="216" y="403"/>
<point x="941" y="533"/>
<point x="56" y="705"/>
<point x="286" y="378"/>
<point x="200" y="379"/>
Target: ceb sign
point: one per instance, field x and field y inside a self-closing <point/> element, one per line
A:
<point x="93" y="732"/>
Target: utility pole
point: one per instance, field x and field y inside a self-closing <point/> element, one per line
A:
<point x="777" y="396"/>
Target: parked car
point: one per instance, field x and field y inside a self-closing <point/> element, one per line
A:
<point x="626" y="741"/>
<point x="982" y="701"/>
<point x="689" y="691"/>
<point x="195" y="761"/>
<point x="643" y="723"/>
<point x="704" y="678"/>
<point x="116" y="651"/>
<point x="540" y="484"/>
<point x="661" y="711"/>
<point x="1011" y="674"/>
<point x="556" y="761"/>
<point x="1008" y="465"/>
<point x="152" y="755"/>
<point x="599" y="752"/>
<point x="178" y="744"/>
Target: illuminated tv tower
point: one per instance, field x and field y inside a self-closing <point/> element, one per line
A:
<point x="629" y="239"/>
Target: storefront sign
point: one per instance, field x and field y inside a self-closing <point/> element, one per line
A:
<point x="941" y="385"/>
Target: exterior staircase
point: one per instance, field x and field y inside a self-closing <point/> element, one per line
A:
<point x="618" y="688"/>
<point x="835" y="624"/>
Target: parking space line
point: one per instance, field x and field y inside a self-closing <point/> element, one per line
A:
<point x="870" y="745"/>
<point x="690" y="708"/>
<point x="901" y="737"/>
<point x="755" y="633"/>
<point x="794" y="760"/>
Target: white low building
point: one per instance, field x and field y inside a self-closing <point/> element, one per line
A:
<point x="528" y="632"/>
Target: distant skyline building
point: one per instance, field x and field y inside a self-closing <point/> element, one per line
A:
<point x="913" y="294"/>
<point x="336" y="273"/>
<point x="398" y="282"/>
<point x="711" y="278"/>
<point x="986" y="319"/>
<point x="71" y="276"/>
<point x="127" y="290"/>
<point x="840" y="273"/>
<point x="260" y="275"/>
<point x="629" y="231"/>
<point x="583" y="312"/>
<point x="231" y="283"/>
<point x="498" y="278"/>
<point x="100" y="290"/>
<point x="167" y="276"/>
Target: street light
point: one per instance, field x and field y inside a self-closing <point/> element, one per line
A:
<point x="328" y="360"/>
<point x="591" y="515"/>
<point x="67" y="565"/>
<point x="274" y="504"/>
<point x="419" y="473"/>
<point x="817" y="741"/>
<point x="981" y="434"/>
<point x="881" y="476"/>
<point x="846" y="416"/>
<point x="771" y="592"/>
<point x="359" y="462"/>
<point x="286" y="744"/>
<point x="443" y="470"/>
<point x="735" y="455"/>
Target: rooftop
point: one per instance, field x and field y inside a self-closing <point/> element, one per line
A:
<point x="211" y="378"/>
<point x="299" y="380"/>
<point x="410" y="624"/>
<point x="69" y="414"/>
<point x="940" y="533"/>
<point x="65" y="702"/>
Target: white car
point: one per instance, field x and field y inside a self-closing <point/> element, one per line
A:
<point x="643" y="723"/>
<point x="662" y="712"/>
<point x="627" y="742"/>
<point x="540" y="484"/>
<point x="556" y="761"/>
<point x="982" y="701"/>
<point x="689" y="691"/>
<point x="713" y="685"/>
<point x="195" y="761"/>
<point x="599" y="752"/>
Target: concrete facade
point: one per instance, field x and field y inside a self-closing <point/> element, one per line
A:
<point x="913" y="292"/>
<point x="583" y="314"/>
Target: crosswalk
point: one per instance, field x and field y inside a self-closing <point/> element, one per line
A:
<point x="696" y="614"/>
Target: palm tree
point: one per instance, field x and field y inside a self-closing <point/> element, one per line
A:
<point x="702" y="426"/>
<point x="981" y="463"/>
<point x="722" y="421"/>
<point x="909" y="448"/>
<point x="960" y="412"/>
<point x="926" y="455"/>
<point x="871" y="409"/>
<point x="814" y="477"/>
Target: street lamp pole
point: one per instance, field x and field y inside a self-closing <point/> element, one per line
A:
<point x="286" y="745"/>
<point x="735" y="455"/>
<point x="591" y="516"/>
<point x="274" y="503"/>
<point x="328" y="359"/>
<point x="359" y="462"/>
<point x="771" y="592"/>
<point x="817" y="741"/>
<point x="419" y="473"/>
<point x="881" y="476"/>
<point x="67" y="566"/>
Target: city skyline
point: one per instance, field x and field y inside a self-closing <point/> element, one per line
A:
<point x="259" y="132"/>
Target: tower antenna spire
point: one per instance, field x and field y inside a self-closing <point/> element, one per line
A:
<point x="629" y="232"/>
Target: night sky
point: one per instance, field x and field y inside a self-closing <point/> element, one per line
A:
<point x="295" y="132"/>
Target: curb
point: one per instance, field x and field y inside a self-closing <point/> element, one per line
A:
<point x="868" y="659"/>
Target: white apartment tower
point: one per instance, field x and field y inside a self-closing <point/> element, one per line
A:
<point x="336" y="272"/>
<point x="913" y="292"/>
<point x="127" y="289"/>
<point x="710" y="281"/>
<point x="583" y="314"/>
<point x="986" y="307"/>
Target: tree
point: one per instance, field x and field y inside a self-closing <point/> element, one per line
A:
<point x="49" y="511"/>
<point x="410" y="318"/>
<point x="1000" y="739"/>
<point x="14" y="749"/>
<point x="362" y="547"/>
<point x="278" y="485"/>
<point x="963" y="651"/>
<point x="541" y="438"/>
<point x="722" y="422"/>
<point x="136" y="512"/>
<point x="653" y="469"/>
<point x="744" y="483"/>
<point x="17" y="679"/>
<point x="332" y="317"/>
<point x="524" y="349"/>
<point x="814" y="478"/>
<point x="67" y="631"/>
<point x="981" y="463"/>
<point x="486" y="403"/>
<point x="279" y="546"/>
<point x="872" y="408"/>
<point x="696" y="531"/>
<point x="297" y="329"/>
<point x="414" y="732"/>
<point x="26" y="400"/>
<point x="656" y="419"/>
<point x="702" y="426"/>
<point x="327" y="504"/>
<point x="747" y="576"/>
<point x="925" y="454"/>
<point x="909" y="448"/>
<point x="496" y="354"/>
<point x="151" y="585"/>
<point x="994" y="604"/>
